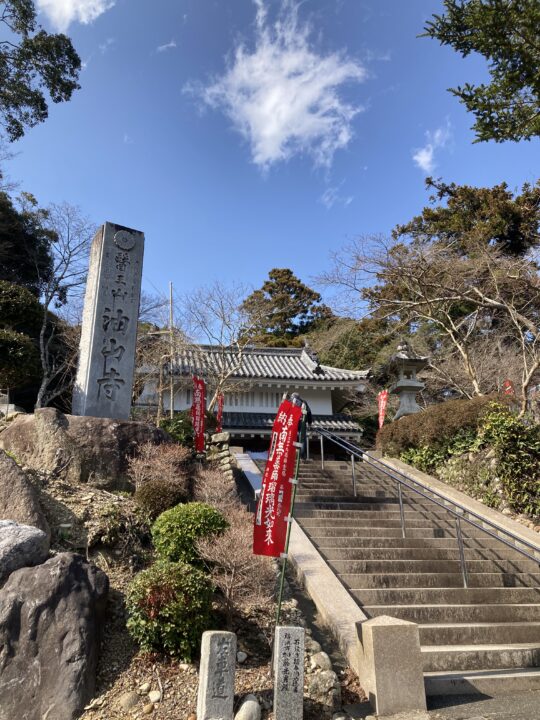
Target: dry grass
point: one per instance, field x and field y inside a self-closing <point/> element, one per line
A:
<point x="167" y="463"/>
<point x="243" y="579"/>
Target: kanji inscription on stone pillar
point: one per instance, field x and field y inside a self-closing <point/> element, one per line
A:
<point x="104" y="380"/>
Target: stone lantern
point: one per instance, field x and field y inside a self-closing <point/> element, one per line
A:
<point x="406" y="364"/>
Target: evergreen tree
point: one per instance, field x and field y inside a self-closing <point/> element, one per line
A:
<point x="31" y="61"/>
<point x="283" y="308"/>
<point x="507" y="34"/>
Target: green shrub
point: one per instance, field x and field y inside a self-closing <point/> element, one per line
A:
<point x="19" y="360"/>
<point x="169" y="607"/>
<point x="156" y="496"/>
<point x="176" y="531"/>
<point x="180" y="427"/>
<point x="20" y="310"/>
<point x="429" y="457"/>
<point x="517" y="448"/>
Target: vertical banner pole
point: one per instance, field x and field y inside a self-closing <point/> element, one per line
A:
<point x="301" y="427"/>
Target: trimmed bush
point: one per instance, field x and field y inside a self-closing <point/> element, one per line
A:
<point x="176" y="531"/>
<point x="169" y="607"/>
<point x="156" y="496"/>
<point x="435" y="424"/>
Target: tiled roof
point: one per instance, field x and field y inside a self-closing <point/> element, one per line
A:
<point x="263" y="363"/>
<point x="264" y="421"/>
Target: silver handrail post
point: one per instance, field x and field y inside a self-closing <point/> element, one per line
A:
<point x="307" y="446"/>
<point x="353" y="475"/>
<point x="461" y="553"/>
<point x="322" y="452"/>
<point x="401" y="510"/>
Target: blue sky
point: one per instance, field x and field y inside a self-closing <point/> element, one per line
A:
<point x="243" y="135"/>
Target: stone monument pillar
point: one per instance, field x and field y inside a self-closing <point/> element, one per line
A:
<point x="104" y="380"/>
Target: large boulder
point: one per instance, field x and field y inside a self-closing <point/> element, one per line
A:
<point x="80" y="449"/>
<point x="20" y="546"/>
<point x="50" y="620"/>
<point x="18" y="497"/>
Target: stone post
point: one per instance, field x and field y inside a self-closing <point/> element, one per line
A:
<point x="391" y="665"/>
<point x="289" y="673"/>
<point x="216" y="676"/>
<point x="104" y="382"/>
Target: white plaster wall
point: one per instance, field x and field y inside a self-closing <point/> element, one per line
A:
<point x="261" y="400"/>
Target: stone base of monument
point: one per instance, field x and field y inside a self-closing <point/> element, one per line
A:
<point x="391" y="665"/>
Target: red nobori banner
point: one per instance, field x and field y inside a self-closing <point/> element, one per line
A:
<point x="198" y="407"/>
<point x="382" y="401"/>
<point x="270" y="529"/>
<point x="219" y="417"/>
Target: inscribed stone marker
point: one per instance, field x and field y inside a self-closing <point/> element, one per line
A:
<point x="289" y="673"/>
<point x="109" y="329"/>
<point x="216" y="676"/>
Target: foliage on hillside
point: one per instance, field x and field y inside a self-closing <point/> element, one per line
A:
<point x="479" y="445"/>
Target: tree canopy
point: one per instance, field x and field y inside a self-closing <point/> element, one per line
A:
<point x="25" y="244"/>
<point x="32" y="61"/>
<point x="507" y="34"/>
<point x="472" y="216"/>
<point x="461" y="280"/>
<point x="283" y="308"/>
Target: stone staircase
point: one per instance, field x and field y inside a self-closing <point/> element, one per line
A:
<point x="480" y="639"/>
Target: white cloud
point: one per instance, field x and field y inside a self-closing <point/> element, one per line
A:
<point x="424" y="157"/>
<point x="167" y="46"/>
<point x="106" y="45"/>
<point x="331" y="196"/>
<point x="283" y="96"/>
<point x="62" y="13"/>
<point x="128" y="140"/>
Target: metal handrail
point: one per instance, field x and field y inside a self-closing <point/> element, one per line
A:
<point x="459" y="515"/>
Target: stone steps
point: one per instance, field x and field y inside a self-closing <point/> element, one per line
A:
<point x="484" y="636"/>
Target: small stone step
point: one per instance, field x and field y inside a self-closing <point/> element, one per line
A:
<point x="459" y="613"/>
<point x="505" y="560"/>
<point x="444" y="596"/>
<point x="438" y="658"/>
<point x="377" y="521"/>
<point x="491" y="683"/>
<point x="409" y="580"/>
<point x="479" y="633"/>
<point x="411" y="543"/>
